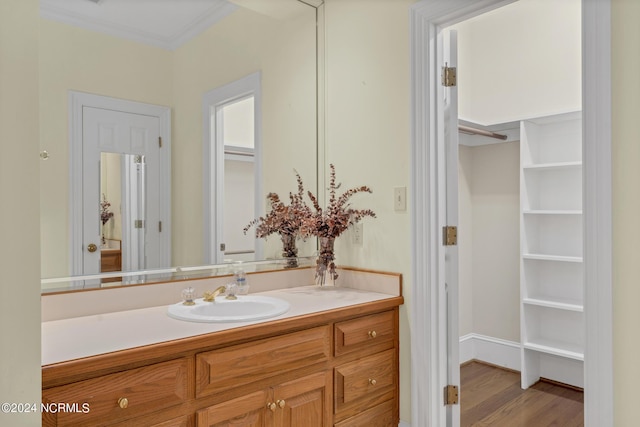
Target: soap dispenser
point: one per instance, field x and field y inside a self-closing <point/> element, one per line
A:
<point x="240" y="277"/>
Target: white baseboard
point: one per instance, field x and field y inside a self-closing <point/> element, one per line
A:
<point x="404" y="424"/>
<point x="491" y="350"/>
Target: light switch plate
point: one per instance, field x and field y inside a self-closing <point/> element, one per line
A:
<point x="357" y="234"/>
<point x="400" y="199"/>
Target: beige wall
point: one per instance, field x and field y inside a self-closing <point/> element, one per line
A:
<point x="490" y="260"/>
<point x="367" y="136"/>
<point x="72" y="58"/>
<point x="20" y="352"/>
<point x="626" y="204"/>
<point x="284" y="52"/>
<point x="19" y="216"/>
<point x="465" y="240"/>
<point x="77" y="59"/>
<point x="520" y="61"/>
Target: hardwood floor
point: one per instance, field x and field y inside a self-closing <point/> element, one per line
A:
<point x="491" y="396"/>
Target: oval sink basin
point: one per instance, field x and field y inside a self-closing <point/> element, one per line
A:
<point x="245" y="308"/>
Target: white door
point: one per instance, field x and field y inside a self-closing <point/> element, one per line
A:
<point x="449" y="98"/>
<point x="131" y="135"/>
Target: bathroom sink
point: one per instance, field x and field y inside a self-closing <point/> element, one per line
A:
<point x="245" y="308"/>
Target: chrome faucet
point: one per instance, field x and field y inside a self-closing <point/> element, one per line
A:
<point x="211" y="296"/>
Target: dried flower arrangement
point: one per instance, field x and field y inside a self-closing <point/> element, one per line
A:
<point x="285" y="220"/>
<point x="331" y="222"/>
<point x="105" y="214"/>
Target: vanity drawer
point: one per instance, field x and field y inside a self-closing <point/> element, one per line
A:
<point x="145" y="389"/>
<point x="147" y="421"/>
<point x="242" y="364"/>
<point x="365" y="382"/>
<point x="369" y="334"/>
<point x="383" y="415"/>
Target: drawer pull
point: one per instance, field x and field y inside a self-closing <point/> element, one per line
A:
<point x="372" y="334"/>
<point x="123" y="402"/>
<point x="281" y="403"/>
<point x="271" y="406"/>
<point x="372" y="381"/>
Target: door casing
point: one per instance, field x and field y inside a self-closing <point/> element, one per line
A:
<point x="79" y="100"/>
<point x="428" y="319"/>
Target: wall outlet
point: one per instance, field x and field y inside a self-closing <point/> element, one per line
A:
<point x="400" y="199"/>
<point x="356" y="236"/>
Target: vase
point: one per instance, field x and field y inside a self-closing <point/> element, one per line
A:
<point x="103" y="242"/>
<point x="326" y="273"/>
<point x="289" y="250"/>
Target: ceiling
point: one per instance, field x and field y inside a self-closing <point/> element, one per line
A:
<point x="162" y="23"/>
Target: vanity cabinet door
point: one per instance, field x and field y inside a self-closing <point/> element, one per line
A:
<point x="304" y="402"/>
<point x="246" y="411"/>
<point x="301" y="402"/>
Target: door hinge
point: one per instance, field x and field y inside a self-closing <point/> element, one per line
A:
<point x="449" y="76"/>
<point x="223" y="247"/>
<point x="159" y="226"/>
<point x="160" y="141"/>
<point x="138" y="223"/>
<point x="450" y="235"/>
<point x="451" y="395"/>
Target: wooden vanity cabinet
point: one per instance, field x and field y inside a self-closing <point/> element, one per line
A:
<point x="335" y="368"/>
<point x="366" y="371"/>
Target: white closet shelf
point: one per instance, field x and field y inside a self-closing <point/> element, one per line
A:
<point x="551" y="226"/>
<point x="556" y="348"/>
<point x="559" y="303"/>
<point x="553" y="166"/>
<point x="560" y="258"/>
<point x="552" y="212"/>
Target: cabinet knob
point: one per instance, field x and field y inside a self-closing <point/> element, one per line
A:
<point x="271" y="406"/>
<point x="281" y="403"/>
<point x="91" y="247"/>
<point x="372" y="381"/>
<point x="373" y="334"/>
<point x="123" y="402"/>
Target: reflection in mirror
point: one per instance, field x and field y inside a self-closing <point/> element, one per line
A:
<point x="149" y="277"/>
<point x="275" y="39"/>
<point x="111" y="212"/>
<point x="236" y="120"/>
<point x="123" y="218"/>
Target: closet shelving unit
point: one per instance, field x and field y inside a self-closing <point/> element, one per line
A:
<point x="551" y="270"/>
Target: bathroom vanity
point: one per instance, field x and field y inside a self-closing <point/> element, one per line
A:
<point x="332" y="360"/>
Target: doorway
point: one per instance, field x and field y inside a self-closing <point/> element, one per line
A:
<point x="429" y="332"/>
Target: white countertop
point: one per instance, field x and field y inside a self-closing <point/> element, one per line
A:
<point x="79" y="337"/>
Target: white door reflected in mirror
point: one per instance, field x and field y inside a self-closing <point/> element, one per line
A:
<point x="120" y="191"/>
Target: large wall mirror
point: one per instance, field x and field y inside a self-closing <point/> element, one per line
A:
<point x="227" y="88"/>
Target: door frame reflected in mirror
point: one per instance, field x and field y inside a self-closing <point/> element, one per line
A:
<point x="77" y="102"/>
<point x="214" y="162"/>
<point x="54" y="272"/>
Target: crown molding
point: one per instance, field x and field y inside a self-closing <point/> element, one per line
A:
<point x="49" y="10"/>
